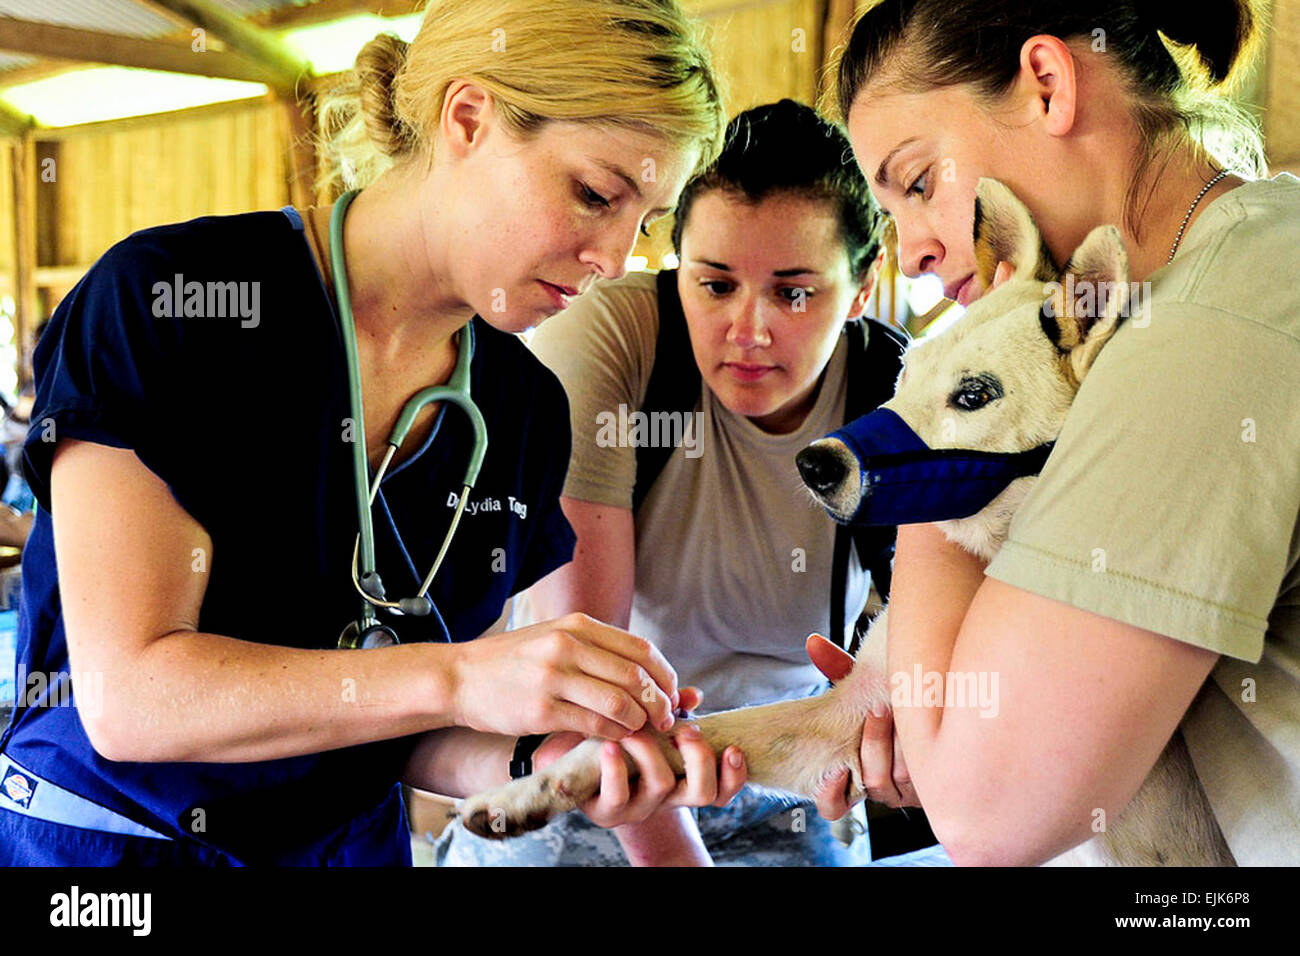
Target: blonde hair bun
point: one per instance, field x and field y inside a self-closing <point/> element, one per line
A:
<point x="376" y="67"/>
<point x="638" y="64"/>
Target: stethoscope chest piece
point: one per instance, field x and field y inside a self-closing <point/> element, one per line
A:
<point x="355" y="637"/>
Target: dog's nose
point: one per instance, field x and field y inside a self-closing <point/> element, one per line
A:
<point x="821" y="471"/>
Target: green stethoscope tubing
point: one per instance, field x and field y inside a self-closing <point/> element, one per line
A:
<point x="456" y="392"/>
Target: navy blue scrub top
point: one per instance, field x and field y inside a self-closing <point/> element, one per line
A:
<point x="245" y="419"/>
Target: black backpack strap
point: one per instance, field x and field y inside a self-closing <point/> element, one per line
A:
<point x="874" y="362"/>
<point x="674" y="384"/>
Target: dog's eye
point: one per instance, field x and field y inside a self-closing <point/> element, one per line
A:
<point x="972" y="398"/>
<point x="975" y="392"/>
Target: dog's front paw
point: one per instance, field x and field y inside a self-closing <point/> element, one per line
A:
<point x="531" y="802"/>
<point x="510" y="810"/>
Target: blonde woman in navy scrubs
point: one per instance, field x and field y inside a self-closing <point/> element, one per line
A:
<point x="203" y="566"/>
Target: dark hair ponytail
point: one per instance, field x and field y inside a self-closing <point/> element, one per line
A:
<point x="1220" y="33"/>
<point x="789" y="148"/>
<point x="978" y="41"/>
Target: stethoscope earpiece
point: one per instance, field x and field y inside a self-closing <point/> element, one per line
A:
<point x="416" y="606"/>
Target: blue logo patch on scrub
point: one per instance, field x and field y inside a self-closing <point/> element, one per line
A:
<point x="18" y="788"/>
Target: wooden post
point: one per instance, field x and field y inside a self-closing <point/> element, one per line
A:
<point x="23" y="150"/>
<point x="838" y="15"/>
<point x="12" y="122"/>
<point x="300" y="166"/>
<point x="1276" y="88"/>
<point x="820" y="41"/>
<point x="48" y="157"/>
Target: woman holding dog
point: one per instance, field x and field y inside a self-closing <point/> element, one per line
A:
<point x="711" y="551"/>
<point x="234" y="728"/>
<point x="1150" y="580"/>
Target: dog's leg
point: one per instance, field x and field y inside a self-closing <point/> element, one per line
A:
<point x="790" y="746"/>
<point x="1168" y="822"/>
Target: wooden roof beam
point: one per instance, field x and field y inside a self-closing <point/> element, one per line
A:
<point x="283" y="18"/>
<point x="39" y="70"/>
<point x="261" y="46"/>
<point x="178" y="22"/>
<point x="68" y="43"/>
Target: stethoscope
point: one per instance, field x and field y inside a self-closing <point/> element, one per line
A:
<point x="367" y="631"/>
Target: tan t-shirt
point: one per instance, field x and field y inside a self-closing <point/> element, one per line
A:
<point x="1179" y="466"/>
<point x="733" y="558"/>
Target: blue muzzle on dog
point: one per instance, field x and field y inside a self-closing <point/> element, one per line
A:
<point x="905" y="481"/>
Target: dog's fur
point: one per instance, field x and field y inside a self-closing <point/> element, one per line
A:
<point x="1037" y="357"/>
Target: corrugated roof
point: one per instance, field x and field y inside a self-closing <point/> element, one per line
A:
<point x="107" y="16"/>
<point x="122" y="16"/>
<point x="113" y="16"/>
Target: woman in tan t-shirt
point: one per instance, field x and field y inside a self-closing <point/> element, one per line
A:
<point x="777" y="250"/>
<point x="1158" y="547"/>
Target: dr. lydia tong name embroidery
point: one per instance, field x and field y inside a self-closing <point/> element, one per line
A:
<point x="486" y="504"/>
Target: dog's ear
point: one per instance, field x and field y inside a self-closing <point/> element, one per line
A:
<point x="1005" y="231"/>
<point x="1083" y="310"/>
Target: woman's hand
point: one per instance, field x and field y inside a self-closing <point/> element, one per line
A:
<point x="574" y="673"/>
<point x="883" y="767"/>
<point x="622" y="800"/>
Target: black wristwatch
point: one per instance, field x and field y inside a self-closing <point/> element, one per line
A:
<point x="521" y="762"/>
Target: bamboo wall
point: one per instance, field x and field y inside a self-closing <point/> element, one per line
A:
<point x="757" y="51"/>
<point x="115" y="178"/>
<point x="764" y="50"/>
<point x="1282" y="105"/>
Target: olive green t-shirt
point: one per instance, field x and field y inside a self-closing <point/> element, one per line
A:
<point x="1171" y="499"/>
<point x="733" y="557"/>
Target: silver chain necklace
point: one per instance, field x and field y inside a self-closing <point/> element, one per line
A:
<point x="1191" y="209"/>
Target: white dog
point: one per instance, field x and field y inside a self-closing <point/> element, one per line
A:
<point x="1000" y="380"/>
